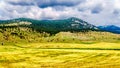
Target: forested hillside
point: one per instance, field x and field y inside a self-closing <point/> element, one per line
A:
<point x="51" y="26"/>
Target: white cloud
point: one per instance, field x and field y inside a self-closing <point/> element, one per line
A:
<point x="117" y="4"/>
<point x="98" y="12"/>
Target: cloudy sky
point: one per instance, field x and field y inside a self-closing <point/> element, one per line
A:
<point x="97" y="12"/>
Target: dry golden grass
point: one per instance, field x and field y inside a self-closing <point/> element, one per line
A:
<point x="60" y="55"/>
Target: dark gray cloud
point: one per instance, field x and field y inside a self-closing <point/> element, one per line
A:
<point x="52" y="3"/>
<point x="21" y="3"/>
<point x="97" y="9"/>
<point x="116" y="12"/>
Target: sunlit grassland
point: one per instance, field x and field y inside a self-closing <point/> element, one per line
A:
<point x="24" y="47"/>
<point x="60" y="55"/>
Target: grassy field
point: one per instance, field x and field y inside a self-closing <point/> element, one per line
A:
<point x="60" y="55"/>
<point x="27" y="47"/>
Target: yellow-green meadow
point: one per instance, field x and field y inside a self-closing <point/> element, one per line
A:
<point x="60" y="55"/>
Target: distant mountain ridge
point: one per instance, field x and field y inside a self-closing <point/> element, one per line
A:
<point x="110" y="28"/>
<point x="70" y="24"/>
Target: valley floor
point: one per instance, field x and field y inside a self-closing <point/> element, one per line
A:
<point x="60" y="55"/>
